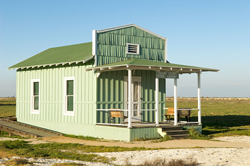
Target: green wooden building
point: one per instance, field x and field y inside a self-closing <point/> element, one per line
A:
<point x="72" y="89"/>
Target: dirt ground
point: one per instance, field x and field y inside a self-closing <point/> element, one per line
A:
<point x="237" y="142"/>
<point x="183" y="143"/>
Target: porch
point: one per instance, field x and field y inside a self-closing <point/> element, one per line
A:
<point x="130" y="108"/>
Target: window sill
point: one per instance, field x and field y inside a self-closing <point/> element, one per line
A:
<point x="132" y="53"/>
<point x="69" y="114"/>
<point x="35" y="112"/>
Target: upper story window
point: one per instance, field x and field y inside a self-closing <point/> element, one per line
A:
<point x="35" y="96"/>
<point x="69" y="91"/>
<point x="133" y="48"/>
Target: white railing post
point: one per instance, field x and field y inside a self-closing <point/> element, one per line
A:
<point x="199" y="97"/>
<point x="157" y="101"/>
<point x="175" y="102"/>
<point x="129" y="98"/>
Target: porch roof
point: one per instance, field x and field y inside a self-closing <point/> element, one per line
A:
<point x="141" y="64"/>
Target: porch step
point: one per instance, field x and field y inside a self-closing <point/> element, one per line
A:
<point x="169" y="128"/>
<point x="180" y="136"/>
<point x="175" y="131"/>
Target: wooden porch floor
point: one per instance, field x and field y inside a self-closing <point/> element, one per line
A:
<point x="146" y="124"/>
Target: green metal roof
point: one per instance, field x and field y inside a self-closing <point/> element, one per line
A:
<point x="58" y="55"/>
<point x="147" y="64"/>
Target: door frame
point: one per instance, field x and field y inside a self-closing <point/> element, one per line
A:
<point x="126" y="97"/>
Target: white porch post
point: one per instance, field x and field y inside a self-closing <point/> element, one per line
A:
<point x="129" y="98"/>
<point x="199" y="97"/>
<point x="157" y="101"/>
<point x="175" y="102"/>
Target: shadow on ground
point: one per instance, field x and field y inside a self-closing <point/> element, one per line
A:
<point x="218" y="124"/>
<point x="7" y="104"/>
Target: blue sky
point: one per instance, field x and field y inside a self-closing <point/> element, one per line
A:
<point x="214" y="34"/>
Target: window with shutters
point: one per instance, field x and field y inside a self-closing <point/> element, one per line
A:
<point x="133" y="48"/>
<point x="35" y="96"/>
<point x="69" y="92"/>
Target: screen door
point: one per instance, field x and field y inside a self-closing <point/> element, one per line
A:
<point x="136" y="98"/>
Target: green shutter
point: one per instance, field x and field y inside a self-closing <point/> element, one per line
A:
<point x="36" y="103"/>
<point x="70" y="103"/>
<point x="36" y="88"/>
<point x="70" y="87"/>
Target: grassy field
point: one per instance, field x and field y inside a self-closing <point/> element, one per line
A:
<point x="7" y="107"/>
<point x="220" y="116"/>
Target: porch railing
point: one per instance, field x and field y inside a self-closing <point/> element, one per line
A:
<point x="123" y="110"/>
<point x="185" y="109"/>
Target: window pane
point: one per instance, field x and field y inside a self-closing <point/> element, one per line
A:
<point x="136" y="93"/>
<point x="70" y="87"/>
<point x="135" y="111"/>
<point x="36" y="103"/>
<point x="36" y="88"/>
<point x="70" y="103"/>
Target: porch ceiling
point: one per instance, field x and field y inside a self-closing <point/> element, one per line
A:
<point x="139" y="64"/>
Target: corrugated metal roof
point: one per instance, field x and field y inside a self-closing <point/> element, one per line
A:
<point x="57" y="55"/>
<point x="151" y="65"/>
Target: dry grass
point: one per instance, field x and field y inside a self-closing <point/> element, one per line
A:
<point x="163" y="162"/>
<point x="7" y="99"/>
<point x="21" y="161"/>
<point x="68" y="164"/>
<point x="4" y="154"/>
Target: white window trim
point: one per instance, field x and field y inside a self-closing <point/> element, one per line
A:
<point x="138" y="49"/>
<point x="32" y="96"/>
<point x="65" y="112"/>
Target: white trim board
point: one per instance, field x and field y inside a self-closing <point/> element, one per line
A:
<point x="130" y="25"/>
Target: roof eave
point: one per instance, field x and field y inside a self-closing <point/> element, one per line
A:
<point x="52" y="64"/>
<point x="152" y="67"/>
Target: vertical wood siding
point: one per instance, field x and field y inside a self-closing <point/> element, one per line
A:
<point x="51" y="94"/>
<point x="111" y="45"/>
<point x="110" y="94"/>
<point x="143" y="133"/>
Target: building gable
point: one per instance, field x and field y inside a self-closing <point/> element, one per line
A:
<point x="111" y="45"/>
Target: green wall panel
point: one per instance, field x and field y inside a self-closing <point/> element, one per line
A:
<point x="51" y="94"/>
<point x="111" y="45"/>
<point x="143" y="133"/>
<point x="110" y="94"/>
<point x="106" y="132"/>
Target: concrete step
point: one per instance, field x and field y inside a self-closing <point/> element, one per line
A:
<point x="176" y="132"/>
<point x="179" y="136"/>
<point x="171" y="128"/>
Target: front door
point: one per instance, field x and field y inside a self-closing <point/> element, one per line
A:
<point x="136" y="98"/>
